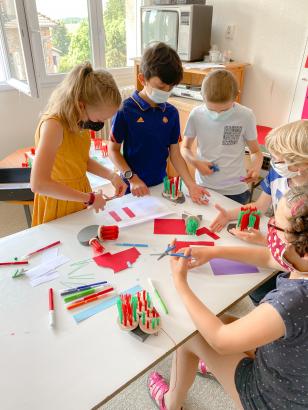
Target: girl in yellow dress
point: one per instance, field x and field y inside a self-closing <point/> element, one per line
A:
<point x="83" y="101"/>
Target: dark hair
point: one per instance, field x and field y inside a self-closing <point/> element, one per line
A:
<point x="297" y="234"/>
<point x="160" y="60"/>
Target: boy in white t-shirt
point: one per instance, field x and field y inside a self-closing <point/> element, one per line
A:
<point x="223" y="128"/>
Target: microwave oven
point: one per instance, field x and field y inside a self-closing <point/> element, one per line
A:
<point x="185" y="28"/>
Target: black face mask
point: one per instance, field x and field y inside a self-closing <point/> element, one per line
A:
<point x="91" y="125"/>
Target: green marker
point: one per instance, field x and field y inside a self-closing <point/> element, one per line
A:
<point x="162" y="303"/>
<point x="78" y="295"/>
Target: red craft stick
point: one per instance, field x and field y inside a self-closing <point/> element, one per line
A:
<point x="14" y="263"/>
<point x="205" y="230"/>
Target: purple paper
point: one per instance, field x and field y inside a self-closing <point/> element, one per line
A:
<point x="228" y="267"/>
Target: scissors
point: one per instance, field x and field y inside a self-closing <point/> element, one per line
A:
<point x="165" y="253"/>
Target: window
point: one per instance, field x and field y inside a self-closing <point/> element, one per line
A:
<point x="64" y="32"/>
<point x="52" y="36"/>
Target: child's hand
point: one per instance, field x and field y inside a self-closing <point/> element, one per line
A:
<point x="119" y="184"/>
<point x="252" y="176"/>
<point x="198" y="194"/>
<point x="99" y="202"/>
<point x="179" y="267"/>
<point x="251" y="236"/>
<point x="204" y="167"/>
<point x="221" y="219"/>
<point x="200" y="256"/>
<point x="138" y="187"/>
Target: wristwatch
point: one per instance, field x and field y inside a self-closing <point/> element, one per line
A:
<point x="128" y="174"/>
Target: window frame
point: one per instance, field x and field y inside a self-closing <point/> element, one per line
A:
<point x="35" y="55"/>
<point x="31" y="87"/>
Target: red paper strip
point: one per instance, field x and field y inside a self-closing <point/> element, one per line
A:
<point x="115" y="216"/>
<point x="117" y="261"/>
<point x="129" y="212"/>
<point x="185" y="244"/>
<point x="169" y="227"/>
<point x="203" y="230"/>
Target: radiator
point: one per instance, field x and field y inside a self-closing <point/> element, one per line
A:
<point x="126" y="92"/>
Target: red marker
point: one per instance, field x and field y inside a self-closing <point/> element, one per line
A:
<point x="43" y="249"/>
<point x="14" y="263"/>
<point x="51" y="308"/>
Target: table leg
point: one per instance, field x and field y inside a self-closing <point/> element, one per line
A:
<point x="28" y="215"/>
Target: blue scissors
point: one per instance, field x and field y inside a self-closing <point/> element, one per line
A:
<point x="165" y="253"/>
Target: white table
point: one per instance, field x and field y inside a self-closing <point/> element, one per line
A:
<point x="80" y="366"/>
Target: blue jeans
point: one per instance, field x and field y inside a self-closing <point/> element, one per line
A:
<point x="241" y="198"/>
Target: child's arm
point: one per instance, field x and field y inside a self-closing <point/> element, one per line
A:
<point x="186" y="150"/>
<point x="97" y="169"/>
<point x="256" y="161"/>
<point x="51" y="136"/>
<point x="196" y="192"/>
<point x="263" y="325"/>
<point x="137" y="186"/>
<point x="224" y="216"/>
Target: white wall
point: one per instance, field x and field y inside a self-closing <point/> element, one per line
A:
<point x="19" y="114"/>
<point x="270" y="35"/>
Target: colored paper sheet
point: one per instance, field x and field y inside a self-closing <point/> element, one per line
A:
<point x="129" y="212"/>
<point x="115" y="216"/>
<point x="85" y="314"/>
<point x="169" y="227"/>
<point x="185" y="244"/>
<point x="228" y="267"/>
<point x="206" y="231"/>
<point x="117" y="261"/>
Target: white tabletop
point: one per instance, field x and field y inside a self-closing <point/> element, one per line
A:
<point x="78" y="366"/>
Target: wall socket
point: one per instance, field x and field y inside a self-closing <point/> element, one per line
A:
<point x="229" y="34"/>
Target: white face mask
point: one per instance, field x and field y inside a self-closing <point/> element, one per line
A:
<point x="219" y="116"/>
<point x="283" y="170"/>
<point x="158" y="96"/>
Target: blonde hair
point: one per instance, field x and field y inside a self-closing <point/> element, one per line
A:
<point x="220" y="86"/>
<point x="290" y="141"/>
<point x="82" y="84"/>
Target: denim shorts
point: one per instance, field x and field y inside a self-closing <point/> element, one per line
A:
<point x="242" y="198"/>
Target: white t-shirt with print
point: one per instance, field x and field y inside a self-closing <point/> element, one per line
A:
<point x="222" y="142"/>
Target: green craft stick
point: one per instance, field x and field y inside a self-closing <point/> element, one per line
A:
<point x="180" y="185"/>
<point x="252" y="220"/>
<point x="135" y="303"/>
<point x="143" y="318"/>
<point x="239" y="219"/>
<point x="79" y="295"/>
<point x="119" y="305"/>
<point x="157" y="321"/>
<point x="173" y="191"/>
<point x="153" y="323"/>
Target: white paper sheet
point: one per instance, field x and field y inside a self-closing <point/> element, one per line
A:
<point x="145" y="209"/>
<point x="45" y="278"/>
<point x="44" y="268"/>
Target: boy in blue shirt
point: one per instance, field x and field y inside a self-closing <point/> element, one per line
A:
<point x="149" y="127"/>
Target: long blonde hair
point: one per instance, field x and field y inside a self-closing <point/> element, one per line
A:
<point x="290" y="141"/>
<point x="82" y="84"/>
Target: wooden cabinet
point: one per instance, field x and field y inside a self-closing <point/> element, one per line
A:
<point x="185" y="105"/>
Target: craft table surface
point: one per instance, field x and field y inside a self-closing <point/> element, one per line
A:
<point x="79" y="366"/>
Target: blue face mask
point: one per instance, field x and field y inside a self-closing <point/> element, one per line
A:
<point x="158" y="96"/>
<point x="219" y="116"/>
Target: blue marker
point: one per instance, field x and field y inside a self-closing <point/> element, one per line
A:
<point x="84" y="287"/>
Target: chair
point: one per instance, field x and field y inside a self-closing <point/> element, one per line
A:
<point x="16" y="189"/>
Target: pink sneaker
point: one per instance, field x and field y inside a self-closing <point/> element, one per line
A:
<point x="202" y="369"/>
<point x="158" y="387"/>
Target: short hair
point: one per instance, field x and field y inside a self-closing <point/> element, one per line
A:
<point x="162" y="61"/>
<point x="290" y="141"/>
<point x="220" y="86"/>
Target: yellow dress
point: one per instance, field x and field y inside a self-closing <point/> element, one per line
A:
<point x="69" y="168"/>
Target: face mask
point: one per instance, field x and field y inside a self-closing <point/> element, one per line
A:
<point x="91" y="125"/>
<point x="219" y="116"/>
<point x="158" y="96"/>
<point x="283" y="170"/>
<point x="278" y="248"/>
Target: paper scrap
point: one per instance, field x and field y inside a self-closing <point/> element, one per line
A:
<point x="118" y="261"/>
<point x="229" y="267"/>
<point x="206" y="231"/>
<point x="44" y="278"/>
<point x="169" y="227"/>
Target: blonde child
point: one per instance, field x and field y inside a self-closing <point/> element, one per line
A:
<point x="276" y="377"/>
<point x="83" y="101"/>
<point x="288" y="146"/>
<point x="222" y="128"/>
